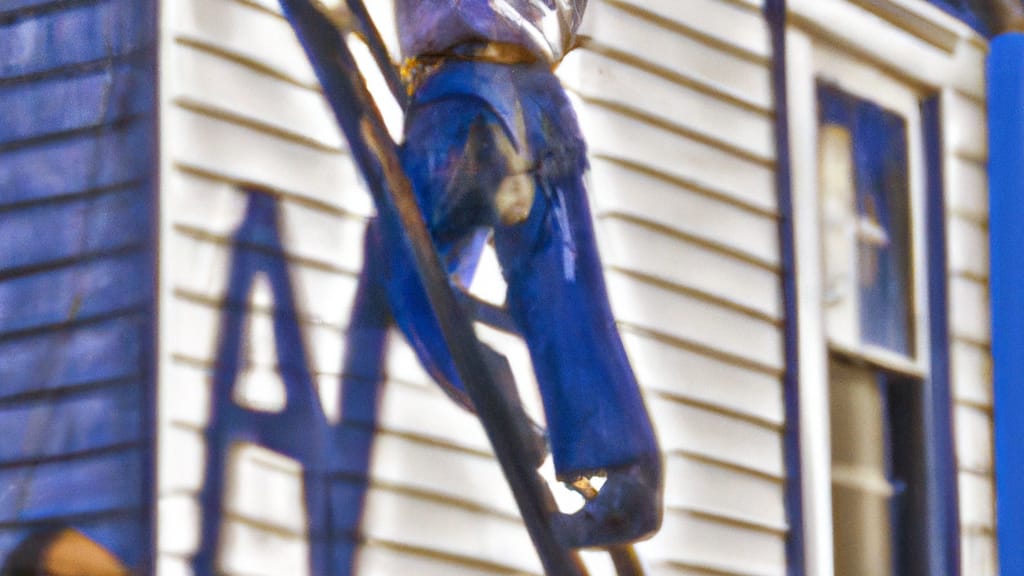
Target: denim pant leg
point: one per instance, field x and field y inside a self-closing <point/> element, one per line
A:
<point x="556" y="293"/>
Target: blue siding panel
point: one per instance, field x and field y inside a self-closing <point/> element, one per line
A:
<point x="81" y="34"/>
<point x="74" y="165"/>
<point x="77" y="265"/>
<point x="49" y="427"/>
<point x="53" y="232"/>
<point x="54" y="105"/>
<point x="82" y="291"/>
<point x="15" y="7"/>
<point x="65" y="488"/>
<point x="73" y="356"/>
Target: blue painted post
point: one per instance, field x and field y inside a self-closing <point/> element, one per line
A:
<point x="1006" y="176"/>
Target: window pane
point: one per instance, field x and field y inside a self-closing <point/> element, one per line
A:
<point x="839" y="227"/>
<point x="883" y="204"/>
<point x="865" y="204"/>
<point x="861" y="491"/>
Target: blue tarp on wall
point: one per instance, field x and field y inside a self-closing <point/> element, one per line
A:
<point x="77" y="126"/>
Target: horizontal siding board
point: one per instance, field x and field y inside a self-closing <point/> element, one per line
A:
<point x="472" y="479"/>
<point x="628" y="191"/>
<point x="218" y="195"/>
<point x="717" y="547"/>
<point x="427" y="414"/>
<point x="978" y="554"/>
<point x="186" y="448"/>
<point x="324" y="296"/>
<point x="245" y="154"/>
<point x="964" y="126"/>
<point x="740" y="28"/>
<point x="50" y="427"/>
<point x="78" y="292"/>
<point x="266" y="489"/>
<point x="74" y="487"/>
<point x="969" y="314"/>
<point x="215" y="81"/>
<point x="973" y="437"/>
<point x="101" y="97"/>
<point x="375" y="558"/>
<point x="607" y="80"/>
<point x="73" y="165"/>
<point x="623" y="31"/>
<point x="698" y="378"/>
<point x="20" y="8"/>
<point x="700" y="486"/>
<point x="628" y="139"/>
<point x="977" y="501"/>
<point x="79" y="34"/>
<point x="629" y="246"/>
<point x="690" y="319"/>
<point x="697" y="431"/>
<point x="107" y="350"/>
<point x="98" y="223"/>
<point x="255" y="551"/>
<point x="179" y="527"/>
<point x="967" y="188"/>
<point x="968" y="248"/>
<point x="408" y="520"/>
<point x="972" y="373"/>
<point x="230" y="26"/>
<point x="196" y="333"/>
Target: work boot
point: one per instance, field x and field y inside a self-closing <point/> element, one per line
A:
<point x="627" y="509"/>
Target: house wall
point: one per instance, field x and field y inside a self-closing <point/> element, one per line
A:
<point x="675" y="99"/>
<point x="77" y="121"/>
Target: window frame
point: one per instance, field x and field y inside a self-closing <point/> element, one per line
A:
<point x="813" y="59"/>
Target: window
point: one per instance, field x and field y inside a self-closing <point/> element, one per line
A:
<point x="878" y="476"/>
<point x="870" y="291"/>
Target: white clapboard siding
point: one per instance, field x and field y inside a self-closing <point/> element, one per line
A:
<point x="964" y="122"/>
<point x="967" y="185"/>
<point x="719" y="490"/>
<point x="969" y="255"/>
<point x="693" y="540"/>
<point x="706" y="166"/>
<point x="647" y="306"/>
<point x="695" y="268"/>
<point x="972" y="374"/>
<point x="670" y="48"/>
<point x="970" y="317"/>
<point x="675" y="102"/>
<point x="966" y="151"/>
<point x="634" y="192"/>
<point x="671" y="369"/>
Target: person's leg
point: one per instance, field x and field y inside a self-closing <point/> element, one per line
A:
<point x="451" y="159"/>
<point x="596" y="417"/>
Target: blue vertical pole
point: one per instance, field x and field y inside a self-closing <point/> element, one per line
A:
<point x="1006" y="181"/>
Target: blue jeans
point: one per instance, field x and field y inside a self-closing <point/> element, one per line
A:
<point x="556" y="291"/>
